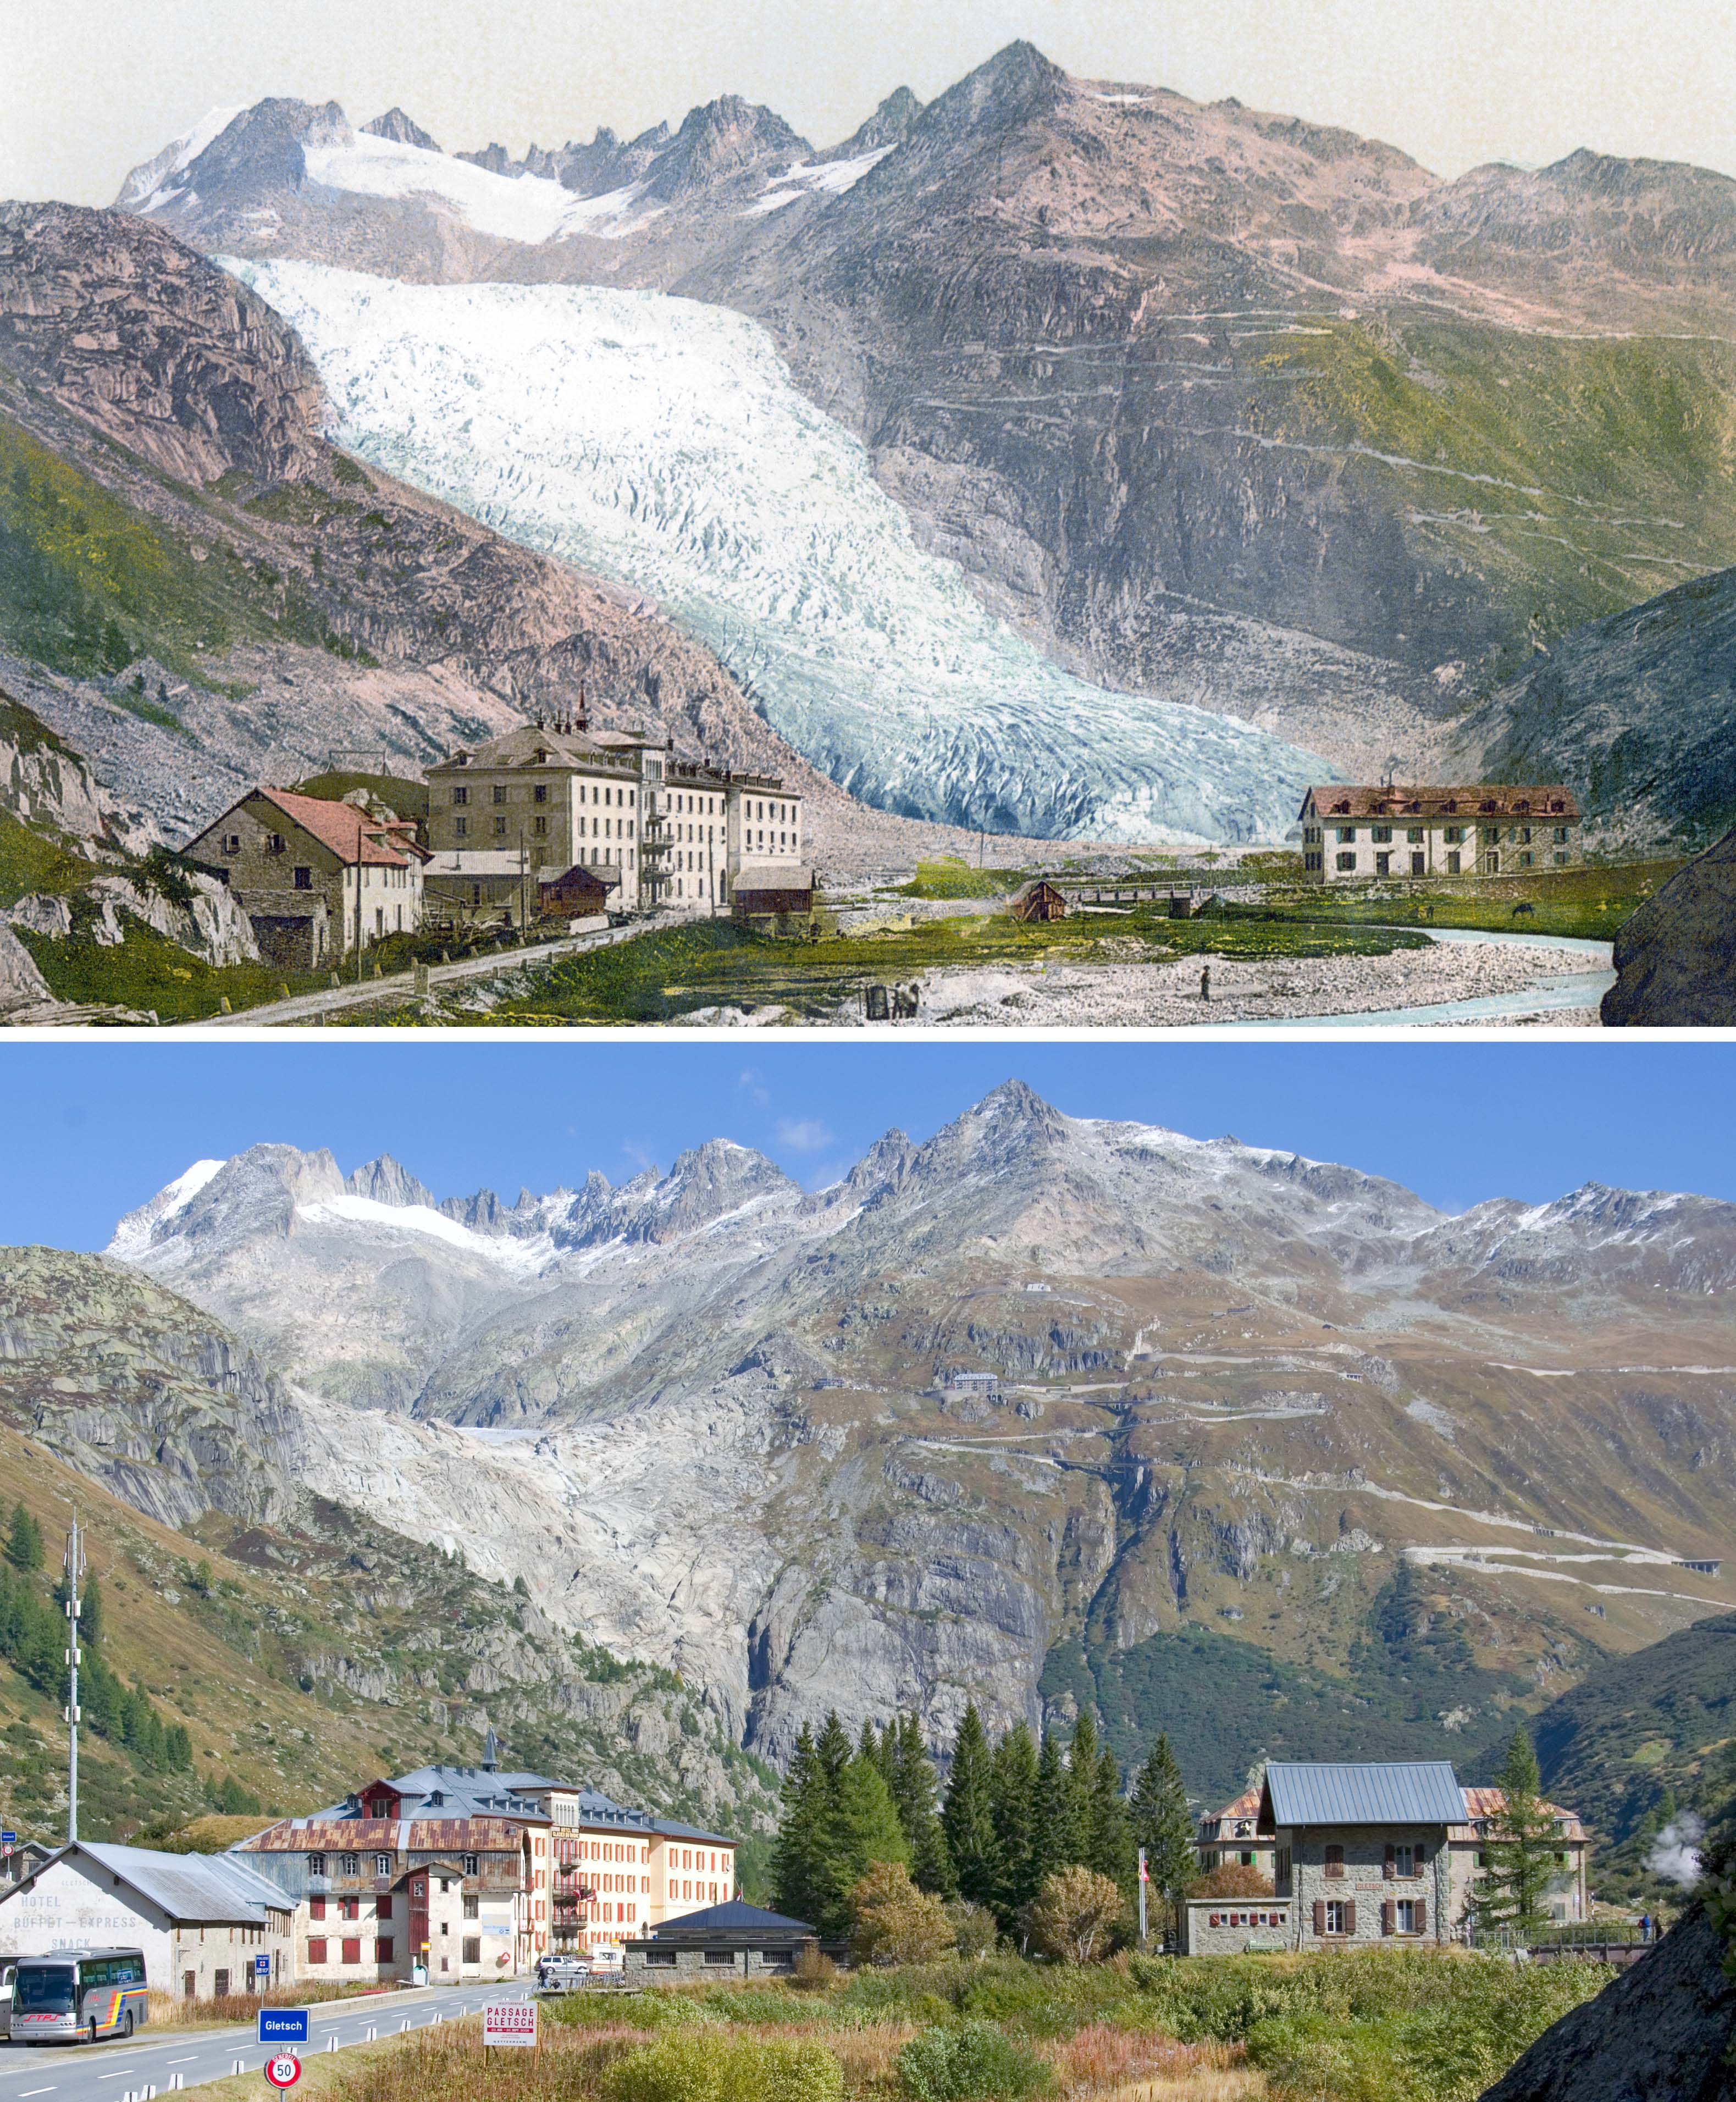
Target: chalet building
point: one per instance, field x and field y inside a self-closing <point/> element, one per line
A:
<point x="1359" y="835"/>
<point x="1038" y="900"/>
<point x="1567" y="1897"/>
<point x="207" y="1924"/>
<point x="374" y="1897"/>
<point x="316" y="878"/>
<point x="511" y="821"/>
<point x="1231" y="1837"/>
<point x="1362" y="1854"/>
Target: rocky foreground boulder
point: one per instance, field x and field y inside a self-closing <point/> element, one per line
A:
<point x="1660" y="2033"/>
<point x="1675" y="958"/>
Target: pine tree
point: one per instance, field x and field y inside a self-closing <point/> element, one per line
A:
<point x="1110" y="1848"/>
<point x="1051" y="1838"/>
<point x="798" y="1862"/>
<point x="832" y="1750"/>
<point x="864" y="1830"/>
<point x="968" y="1819"/>
<point x="91" y="1612"/>
<point x="23" y="1547"/>
<point x="1163" y="1826"/>
<point x="1012" y="1798"/>
<point x="1082" y="1788"/>
<point x="1522" y="1846"/>
<point x="914" y="1790"/>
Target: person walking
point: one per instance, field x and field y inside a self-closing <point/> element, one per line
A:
<point x="1205" y="983"/>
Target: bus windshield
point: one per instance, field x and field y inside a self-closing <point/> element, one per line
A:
<point x="47" y="1988"/>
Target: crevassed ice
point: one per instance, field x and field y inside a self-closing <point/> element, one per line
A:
<point x="661" y="442"/>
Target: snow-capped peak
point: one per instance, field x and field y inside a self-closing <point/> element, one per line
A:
<point x="133" y="1235"/>
<point x="151" y="184"/>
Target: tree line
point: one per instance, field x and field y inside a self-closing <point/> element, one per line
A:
<point x="34" y="1639"/>
<point x="1015" y="1814"/>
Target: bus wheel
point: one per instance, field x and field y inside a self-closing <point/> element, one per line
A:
<point x="127" y="2023"/>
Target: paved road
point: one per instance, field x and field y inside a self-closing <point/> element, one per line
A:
<point x="380" y="992"/>
<point x="104" y="2071"/>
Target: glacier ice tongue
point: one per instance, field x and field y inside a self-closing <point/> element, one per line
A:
<point x="661" y="442"/>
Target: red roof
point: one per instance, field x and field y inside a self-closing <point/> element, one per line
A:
<point x="1469" y="804"/>
<point x="365" y="1835"/>
<point x="352" y="835"/>
<point x="1482" y="1803"/>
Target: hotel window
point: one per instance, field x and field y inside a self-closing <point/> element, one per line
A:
<point x="316" y="1865"/>
<point x="539" y="826"/>
<point x="1382" y="835"/>
<point x="500" y="792"/>
<point x="461" y="797"/>
<point x="1560" y="835"/>
<point x="351" y="1951"/>
<point x="1453" y="835"/>
<point x="1404" y="1919"/>
<point x="1335" y="1861"/>
<point x="382" y="1865"/>
<point x="1337" y="1916"/>
<point x="316" y="1949"/>
<point x="1347" y="836"/>
<point x="539" y="793"/>
<point x="1414" y="836"/>
<point x="349" y="1865"/>
<point x="316" y="1908"/>
<point x="470" y="1862"/>
<point x="472" y="1907"/>
<point x="499" y="828"/>
<point x="1346" y="861"/>
<point x="460" y="827"/>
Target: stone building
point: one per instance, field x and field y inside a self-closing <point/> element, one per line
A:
<point x="1363" y="835"/>
<point x="207" y="1923"/>
<point x="314" y="878"/>
<point x="1362" y="1854"/>
<point x="655" y="831"/>
<point x="744" y="1940"/>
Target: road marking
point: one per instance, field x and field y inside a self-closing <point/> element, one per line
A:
<point x="36" y="2091"/>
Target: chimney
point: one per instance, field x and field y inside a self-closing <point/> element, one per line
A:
<point x="584" y="713"/>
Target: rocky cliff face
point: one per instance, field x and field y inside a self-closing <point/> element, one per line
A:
<point x="1675" y="958"/>
<point x="1659" y="2032"/>
<point x="713" y="1419"/>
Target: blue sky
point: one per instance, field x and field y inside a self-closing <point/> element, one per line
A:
<point x="93" y="1129"/>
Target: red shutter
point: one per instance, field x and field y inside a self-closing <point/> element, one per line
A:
<point x="1391" y="1865"/>
<point x="1388" y="1917"/>
<point x="1350" y="1917"/>
<point x="1422" y="1915"/>
<point x="317" y="1950"/>
<point x="351" y="1951"/>
<point x="316" y="1908"/>
<point x="383" y="1949"/>
<point x="1320" y="1915"/>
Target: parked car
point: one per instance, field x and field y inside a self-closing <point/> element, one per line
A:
<point x="555" y="1971"/>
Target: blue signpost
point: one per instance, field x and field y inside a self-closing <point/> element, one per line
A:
<point x="283" y="2025"/>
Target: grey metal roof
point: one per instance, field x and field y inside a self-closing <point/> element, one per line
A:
<point x="734" y="1916"/>
<point x="1418" y="1792"/>
<point x="199" y="1889"/>
<point x="669" y="1829"/>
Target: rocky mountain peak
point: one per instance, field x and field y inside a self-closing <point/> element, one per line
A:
<point x="396" y="126"/>
<point x="721" y="139"/>
<point x="387" y="1181"/>
<point x="253" y="1194"/>
<point x="1011" y="89"/>
<point x="890" y="125"/>
<point x="260" y="152"/>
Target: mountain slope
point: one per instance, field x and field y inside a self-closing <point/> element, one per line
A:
<point x="1210" y="403"/>
<point x="709" y="1419"/>
<point x="1637" y="713"/>
<point x="174" y="526"/>
<point x="302" y="1644"/>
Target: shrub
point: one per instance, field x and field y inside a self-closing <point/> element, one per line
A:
<point x="1231" y="1879"/>
<point x="701" y="2066"/>
<point x="814" y="1971"/>
<point x="1077" y="1915"/>
<point x="896" y="1922"/>
<point x="977" y="2063"/>
<point x="975" y="1931"/>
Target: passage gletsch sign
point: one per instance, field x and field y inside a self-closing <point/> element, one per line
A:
<point x="509" y="2022"/>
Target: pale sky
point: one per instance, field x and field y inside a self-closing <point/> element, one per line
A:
<point x="90" y="87"/>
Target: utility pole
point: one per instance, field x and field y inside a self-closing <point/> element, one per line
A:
<point x="74" y="1568"/>
<point x="1143" y="1880"/>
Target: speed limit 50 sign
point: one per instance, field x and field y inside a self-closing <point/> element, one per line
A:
<point x="284" y="2070"/>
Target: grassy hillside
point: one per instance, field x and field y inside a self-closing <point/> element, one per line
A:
<point x="301" y="1660"/>
<point x="1570" y="477"/>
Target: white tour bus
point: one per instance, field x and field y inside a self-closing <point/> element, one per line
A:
<point x="78" y="1995"/>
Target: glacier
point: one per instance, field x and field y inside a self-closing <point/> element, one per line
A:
<point x="661" y="442"/>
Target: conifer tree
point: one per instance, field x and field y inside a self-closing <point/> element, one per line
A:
<point x="833" y="1750"/>
<point x="91" y="1612"/>
<point x="1051" y="1830"/>
<point x="969" y="1816"/>
<point x="1110" y="1847"/>
<point x="864" y="1830"/>
<point x="1015" y="1808"/>
<point x="914" y="1791"/>
<point x="23" y="1547"/>
<point x="1163" y="1826"/>
<point x="1522" y="1846"/>
<point x="798" y="1862"/>
<point x="1082" y="1788"/>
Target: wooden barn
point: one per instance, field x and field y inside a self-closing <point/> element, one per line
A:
<point x="580" y="892"/>
<point x="1040" y="900"/>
